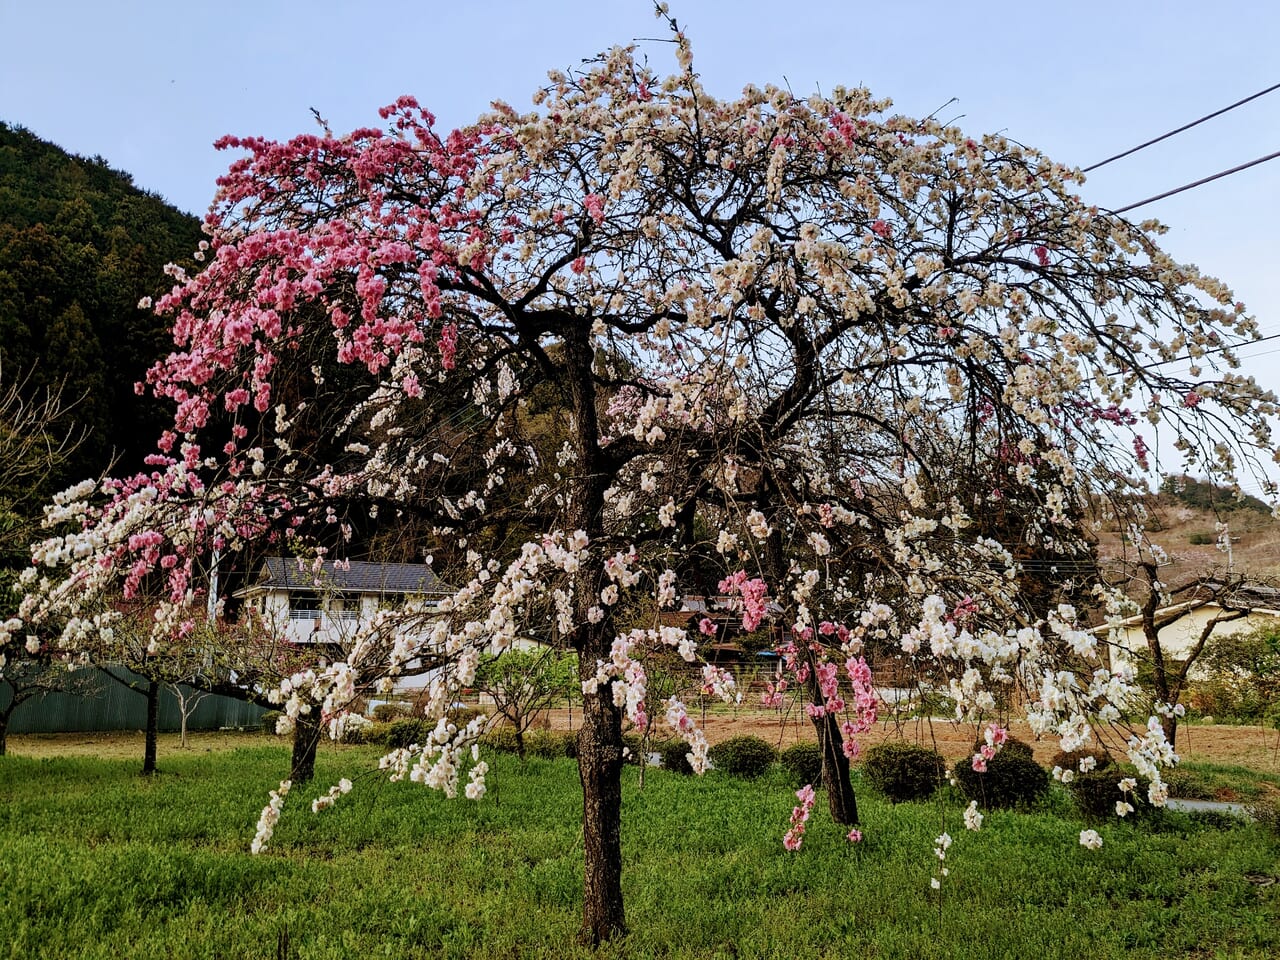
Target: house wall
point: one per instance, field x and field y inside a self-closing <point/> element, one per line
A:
<point x="1177" y="639"/>
<point x="335" y="622"/>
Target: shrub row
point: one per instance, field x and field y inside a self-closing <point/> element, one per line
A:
<point x="746" y="757"/>
<point x="900" y="771"/>
<point x="906" y="771"/>
<point x="537" y="743"/>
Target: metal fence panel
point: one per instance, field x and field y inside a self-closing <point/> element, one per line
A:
<point x="110" y="705"/>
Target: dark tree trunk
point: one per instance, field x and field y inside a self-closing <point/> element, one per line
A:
<point x="835" y="772"/>
<point x="1166" y="691"/>
<point x="153" y="728"/>
<point x="306" y="738"/>
<point x="600" y="739"/>
<point x="520" y="744"/>
<point x="835" y="765"/>
<point x="6" y="713"/>
<point x="600" y="767"/>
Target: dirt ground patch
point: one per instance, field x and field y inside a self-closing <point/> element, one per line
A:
<point x="127" y="744"/>
<point x="1253" y="747"/>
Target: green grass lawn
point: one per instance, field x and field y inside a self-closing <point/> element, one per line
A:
<point x="95" y="861"/>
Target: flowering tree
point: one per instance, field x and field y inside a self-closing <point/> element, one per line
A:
<point x="770" y="330"/>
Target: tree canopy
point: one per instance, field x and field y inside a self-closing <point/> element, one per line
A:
<point x="779" y="331"/>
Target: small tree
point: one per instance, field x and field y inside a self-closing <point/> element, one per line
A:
<point x="30" y="678"/>
<point x="523" y="683"/>
<point x="188" y="698"/>
<point x="1241" y="674"/>
<point x="1163" y="607"/>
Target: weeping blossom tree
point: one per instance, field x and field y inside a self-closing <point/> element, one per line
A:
<point x="637" y="314"/>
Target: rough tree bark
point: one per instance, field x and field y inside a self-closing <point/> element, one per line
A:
<point x="306" y="738"/>
<point x="600" y="769"/>
<point x="835" y="765"/>
<point x="600" y="739"/>
<point x="153" y="728"/>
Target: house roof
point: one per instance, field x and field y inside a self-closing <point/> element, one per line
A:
<point x="1136" y="619"/>
<point x="349" y="576"/>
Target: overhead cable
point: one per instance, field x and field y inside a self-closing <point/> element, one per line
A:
<point x="1188" y="126"/>
<point x="1198" y="183"/>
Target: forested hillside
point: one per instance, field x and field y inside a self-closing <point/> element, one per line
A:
<point x="79" y="245"/>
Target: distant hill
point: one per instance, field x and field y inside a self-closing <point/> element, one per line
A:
<point x="1183" y="521"/>
<point x="1202" y="495"/>
<point x="80" y="244"/>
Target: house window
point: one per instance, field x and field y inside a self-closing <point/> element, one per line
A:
<point x="304" y="608"/>
<point x="345" y="608"/>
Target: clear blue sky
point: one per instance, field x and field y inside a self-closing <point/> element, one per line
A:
<point x="150" y="85"/>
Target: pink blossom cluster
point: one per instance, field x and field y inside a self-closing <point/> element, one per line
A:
<point x="996" y="736"/>
<point x="794" y="836"/>
<point x="753" y="593"/>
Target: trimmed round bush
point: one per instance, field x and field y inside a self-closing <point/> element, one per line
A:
<point x="549" y="745"/>
<point x="376" y="733"/>
<point x="354" y="728"/>
<point x="633" y="753"/>
<point x="1013" y="747"/>
<point x="404" y="732"/>
<point x="1096" y="793"/>
<point x="499" y="740"/>
<point x="675" y="756"/>
<point x="904" y="771"/>
<point x="390" y="712"/>
<point x="461" y="716"/>
<point x="803" y="763"/>
<point x="1012" y="779"/>
<point x="746" y="756"/>
<point x="1071" y="761"/>
<point x="269" y="720"/>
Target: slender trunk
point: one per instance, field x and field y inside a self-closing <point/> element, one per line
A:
<point x="835" y="772"/>
<point x="520" y="744"/>
<point x="153" y="728"/>
<point x="835" y="765"/>
<point x="6" y="713"/>
<point x="600" y="768"/>
<point x="306" y="738"/>
<point x="1166" y="692"/>
<point x="182" y="707"/>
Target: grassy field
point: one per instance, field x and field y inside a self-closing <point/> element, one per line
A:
<point x="95" y="861"/>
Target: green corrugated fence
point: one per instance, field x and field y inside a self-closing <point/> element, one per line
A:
<point x="108" y="705"/>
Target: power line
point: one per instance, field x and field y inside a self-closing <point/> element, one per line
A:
<point x="1188" y="126"/>
<point x="1230" y="346"/>
<point x="1199" y="183"/>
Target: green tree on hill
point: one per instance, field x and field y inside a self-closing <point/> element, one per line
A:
<point x="79" y="245"/>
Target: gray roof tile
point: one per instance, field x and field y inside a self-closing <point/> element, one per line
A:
<point x="352" y="576"/>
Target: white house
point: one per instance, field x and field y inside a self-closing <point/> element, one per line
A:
<point x="327" y="605"/>
<point x="1259" y="604"/>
